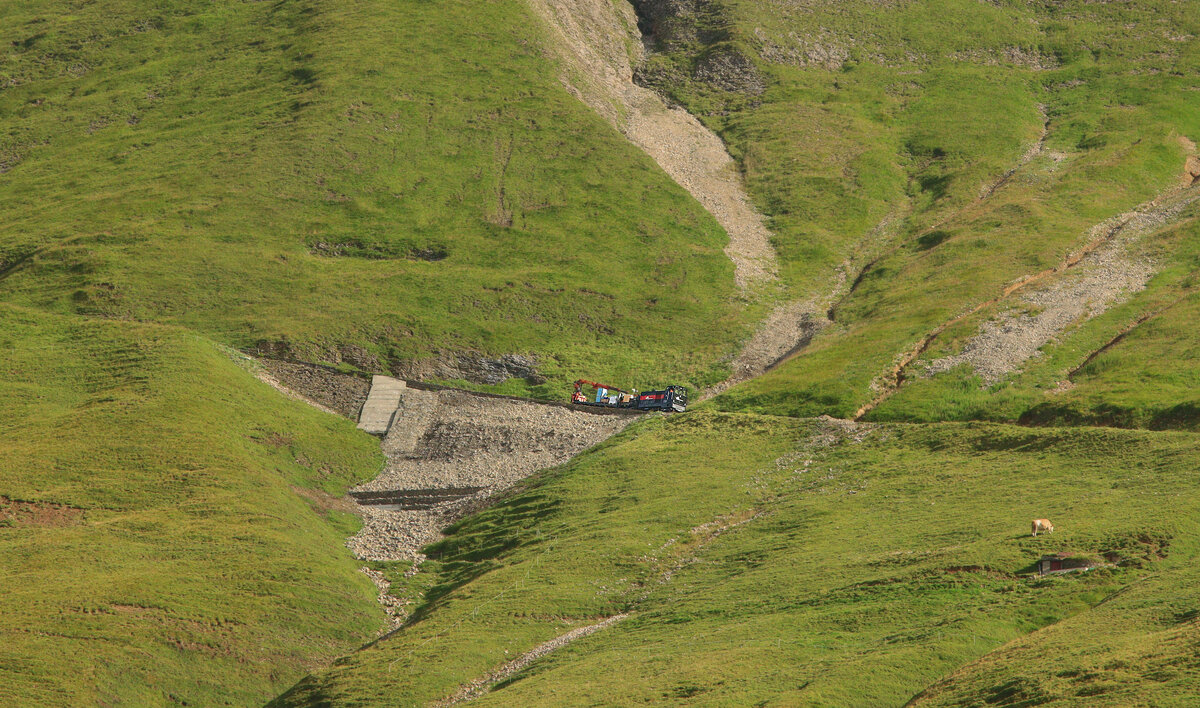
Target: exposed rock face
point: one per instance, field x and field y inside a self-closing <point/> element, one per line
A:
<point x="666" y="22"/>
<point x="342" y="393"/>
<point x="730" y="70"/>
<point x="671" y="25"/>
<point x="476" y="368"/>
<point x="493" y="371"/>
<point x="288" y="351"/>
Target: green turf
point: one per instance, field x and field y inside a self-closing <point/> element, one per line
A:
<point x="1131" y="651"/>
<point x="880" y="155"/>
<point x="373" y="184"/>
<point x="377" y="181"/>
<point x="167" y="557"/>
<point x="853" y="572"/>
<point x="1096" y="374"/>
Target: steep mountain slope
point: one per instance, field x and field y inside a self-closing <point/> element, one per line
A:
<point x="385" y="184"/>
<point x="312" y="180"/>
<point x="918" y="159"/>
<point x="981" y="218"/>
<point x="764" y="559"/>
<point x="169" y="525"/>
<point x="938" y="176"/>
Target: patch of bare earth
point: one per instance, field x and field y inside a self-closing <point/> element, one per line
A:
<point x="263" y="374"/>
<point x="1108" y="268"/>
<point x="1104" y="277"/>
<point x="324" y="502"/>
<point x="786" y="331"/>
<point x="594" y="39"/>
<point x="16" y="513"/>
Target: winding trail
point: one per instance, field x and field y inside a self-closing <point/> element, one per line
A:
<point x="1034" y="150"/>
<point x="482" y="685"/>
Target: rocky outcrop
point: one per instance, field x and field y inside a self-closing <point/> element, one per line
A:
<point x="670" y="24"/>
<point x="476" y="368"/>
<point x="341" y="393"/>
<point x="728" y="69"/>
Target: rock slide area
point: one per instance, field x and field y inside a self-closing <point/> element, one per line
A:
<point x="1102" y="278"/>
<point x="464" y="448"/>
<point x="595" y="40"/>
<point x="447" y="450"/>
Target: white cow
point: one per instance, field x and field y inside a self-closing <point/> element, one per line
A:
<point x="1042" y="525"/>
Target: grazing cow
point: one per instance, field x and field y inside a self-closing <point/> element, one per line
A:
<point x="1042" y="525"/>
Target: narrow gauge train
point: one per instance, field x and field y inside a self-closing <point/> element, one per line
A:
<point x="669" y="399"/>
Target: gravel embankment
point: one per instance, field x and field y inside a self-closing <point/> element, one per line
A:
<point x="456" y="439"/>
<point x="594" y="40"/>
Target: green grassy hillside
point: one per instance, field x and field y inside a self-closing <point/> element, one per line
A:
<point x="772" y="561"/>
<point x="892" y="143"/>
<point x="161" y="521"/>
<point x="401" y="185"/>
<point x="375" y="182"/>
<point x="1133" y="366"/>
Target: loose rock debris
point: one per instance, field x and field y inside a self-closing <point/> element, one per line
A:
<point x="455" y="439"/>
<point x="595" y="39"/>
<point x="1102" y="278"/>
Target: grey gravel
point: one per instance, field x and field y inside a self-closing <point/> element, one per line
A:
<point x="598" y="42"/>
<point x="457" y="439"/>
<point x="1103" y="278"/>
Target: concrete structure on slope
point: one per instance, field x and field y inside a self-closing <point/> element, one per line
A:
<point x="381" y="405"/>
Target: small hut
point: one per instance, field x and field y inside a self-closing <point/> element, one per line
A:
<point x="1067" y="562"/>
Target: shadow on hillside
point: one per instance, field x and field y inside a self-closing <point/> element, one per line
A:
<point x="481" y="542"/>
<point x="1183" y="416"/>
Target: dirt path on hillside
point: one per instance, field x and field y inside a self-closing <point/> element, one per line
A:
<point x="482" y="685"/>
<point x="594" y="39"/>
<point x="1085" y="284"/>
<point x="1036" y="149"/>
